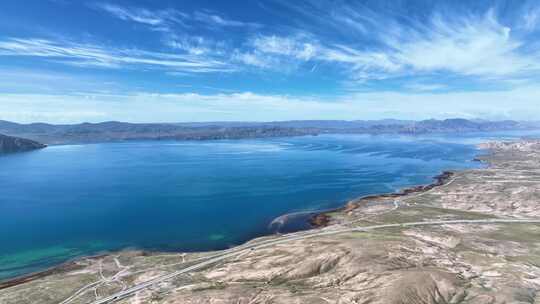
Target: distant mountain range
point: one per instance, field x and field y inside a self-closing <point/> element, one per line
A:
<point x="10" y="144"/>
<point x="119" y="131"/>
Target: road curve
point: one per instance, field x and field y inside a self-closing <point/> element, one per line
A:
<point x="242" y="249"/>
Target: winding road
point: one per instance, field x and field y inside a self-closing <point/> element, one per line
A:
<point x="284" y="239"/>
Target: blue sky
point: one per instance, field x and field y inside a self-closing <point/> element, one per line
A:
<point x="66" y="61"/>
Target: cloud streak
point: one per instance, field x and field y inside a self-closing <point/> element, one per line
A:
<point x="85" y="55"/>
<point x="285" y="46"/>
<point x="479" y="47"/>
<point x="166" y="19"/>
<point x="140" y="15"/>
<point x="376" y="46"/>
<point x="214" y="19"/>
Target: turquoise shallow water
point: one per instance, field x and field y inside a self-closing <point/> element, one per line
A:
<point x="68" y="201"/>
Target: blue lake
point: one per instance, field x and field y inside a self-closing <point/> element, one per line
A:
<point x="68" y="201"/>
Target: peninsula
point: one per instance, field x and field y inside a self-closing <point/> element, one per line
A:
<point x="10" y="144"/>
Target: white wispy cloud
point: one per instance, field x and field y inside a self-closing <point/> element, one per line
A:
<point x="166" y="19"/>
<point x="287" y="46"/>
<point x="47" y="81"/>
<point x="425" y="87"/>
<point x="481" y="47"/>
<point x="376" y="46"/>
<point x="255" y="59"/>
<point x="137" y="15"/>
<point x="196" y="45"/>
<point x="472" y="46"/>
<point x="362" y="64"/>
<point x="213" y="18"/>
<point x="276" y="52"/>
<point x="160" y="19"/>
<point x="531" y="19"/>
<point x="108" y="57"/>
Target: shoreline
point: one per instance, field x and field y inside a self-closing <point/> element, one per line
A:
<point x="322" y="219"/>
<point x="319" y="219"/>
<point x="65" y="266"/>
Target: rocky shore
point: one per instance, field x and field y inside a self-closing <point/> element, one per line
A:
<point x="323" y="219"/>
<point x="65" y="267"/>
